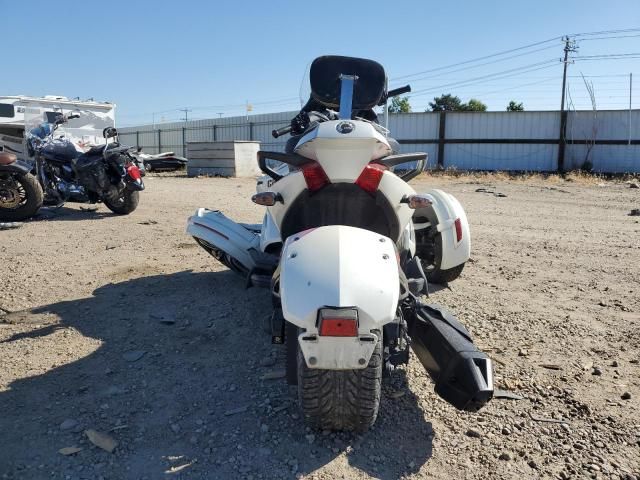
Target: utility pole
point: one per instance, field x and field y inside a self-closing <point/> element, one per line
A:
<point x="186" y="113"/>
<point x="569" y="46"/>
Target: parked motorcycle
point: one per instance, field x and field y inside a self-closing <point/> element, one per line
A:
<point x="62" y="172"/>
<point x="160" y="162"/>
<point x="339" y="248"/>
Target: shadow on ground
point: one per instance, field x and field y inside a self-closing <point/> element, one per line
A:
<point x="194" y="404"/>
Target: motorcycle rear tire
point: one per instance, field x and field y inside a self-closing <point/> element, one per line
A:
<point x="34" y="199"/>
<point x="341" y="399"/>
<point x="124" y="204"/>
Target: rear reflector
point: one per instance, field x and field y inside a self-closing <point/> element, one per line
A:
<point x="370" y="177"/>
<point x="338" y="322"/>
<point x="314" y="176"/>
<point x="134" y="172"/>
<point x="458" y="224"/>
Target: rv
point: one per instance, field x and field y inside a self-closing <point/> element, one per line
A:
<point x="20" y="113"/>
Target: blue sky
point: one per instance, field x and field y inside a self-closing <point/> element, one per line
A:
<point x="157" y="56"/>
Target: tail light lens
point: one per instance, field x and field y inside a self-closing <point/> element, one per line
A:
<point x="370" y="177"/>
<point x="134" y="172"/>
<point x="338" y="322"/>
<point x="458" y="225"/>
<point x="314" y="176"/>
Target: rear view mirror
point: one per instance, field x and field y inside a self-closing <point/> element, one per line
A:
<point x="109" y="132"/>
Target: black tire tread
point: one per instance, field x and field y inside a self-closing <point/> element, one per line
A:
<point x="341" y="399"/>
<point x="35" y="197"/>
<point x="445" y="276"/>
<point x="131" y="200"/>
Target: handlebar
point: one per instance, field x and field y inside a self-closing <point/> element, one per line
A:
<point x="281" y="131"/>
<point x="398" y="91"/>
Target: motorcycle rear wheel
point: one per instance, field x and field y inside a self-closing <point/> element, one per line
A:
<point x="340" y="399"/>
<point x="122" y="204"/>
<point x="20" y="197"/>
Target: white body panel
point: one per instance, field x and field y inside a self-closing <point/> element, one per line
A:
<point x="343" y="156"/>
<point x="269" y="233"/>
<point x="216" y="229"/>
<point x="339" y="266"/>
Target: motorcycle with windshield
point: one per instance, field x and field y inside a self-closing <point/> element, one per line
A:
<point x="64" y="168"/>
<point x="340" y="250"/>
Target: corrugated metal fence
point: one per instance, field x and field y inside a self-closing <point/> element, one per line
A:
<point x="510" y="141"/>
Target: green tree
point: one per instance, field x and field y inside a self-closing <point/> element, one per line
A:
<point x="474" y="105"/>
<point x="446" y="103"/>
<point x="515" y="107"/>
<point x="400" y="105"/>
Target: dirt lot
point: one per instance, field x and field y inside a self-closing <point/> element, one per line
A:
<point x="123" y="325"/>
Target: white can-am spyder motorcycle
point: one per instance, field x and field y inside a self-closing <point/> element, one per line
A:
<point x="340" y="248"/>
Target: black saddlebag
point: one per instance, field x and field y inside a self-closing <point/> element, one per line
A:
<point x="92" y="173"/>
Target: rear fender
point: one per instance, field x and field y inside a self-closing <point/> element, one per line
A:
<point x="444" y="212"/>
<point x="19" y="166"/>
<point x="339" y="266"/>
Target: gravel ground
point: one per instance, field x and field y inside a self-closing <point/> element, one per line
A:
<point x="124" y="326"/>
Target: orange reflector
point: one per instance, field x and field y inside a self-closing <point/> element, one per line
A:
<point x="338" y="322"/>
<point x="338" y="327"/>
<point x="458" y="224"/>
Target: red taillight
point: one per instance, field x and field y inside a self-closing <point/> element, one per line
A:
<point x="314" y="176"/>
<point x="458" y="224"/>
<point x="338" y="322"/>
<point x="338" y="327"/>
<point x="134" y="172"/>
<point x="370" y="177"/>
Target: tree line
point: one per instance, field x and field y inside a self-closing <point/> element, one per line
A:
<point x="449" y="103"/>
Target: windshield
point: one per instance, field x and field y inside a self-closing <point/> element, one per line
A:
<point x="305" y="87"/>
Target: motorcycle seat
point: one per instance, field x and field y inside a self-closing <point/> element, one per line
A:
<point x="7" y="158"/>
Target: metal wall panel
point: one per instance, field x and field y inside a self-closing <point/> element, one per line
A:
<point x="516" y="156"/>
<point x="423" y="130"/>
<point x="541" y="125"/>
<point x="608" y="125"/>
<point x="605" y="158"/>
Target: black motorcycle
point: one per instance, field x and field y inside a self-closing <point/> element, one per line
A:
<point x="105" y="173"/>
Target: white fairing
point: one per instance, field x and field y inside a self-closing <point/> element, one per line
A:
<point x="339" y="266"/>
<point x="269" y="233"/>
<point x="216" y="229"/>
<point x="343" y="156"/>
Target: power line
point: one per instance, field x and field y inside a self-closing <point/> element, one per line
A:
<point x="504" y="74"/>
<point x="482" y="64"/>
<point x="608" y="38"/>
<point x="605" y="32"/>
<point x="477" y="59"/>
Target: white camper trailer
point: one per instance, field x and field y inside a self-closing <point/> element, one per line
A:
<point x="17" y="111"/>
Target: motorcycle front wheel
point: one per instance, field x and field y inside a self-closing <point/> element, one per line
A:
<point x="122" y="203"/>
<point x="20" y="197"/>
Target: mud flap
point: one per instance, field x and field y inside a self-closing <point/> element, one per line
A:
<point x="463" y="374"/>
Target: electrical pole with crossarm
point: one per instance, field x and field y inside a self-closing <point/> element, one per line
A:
<point x="569" y="46"/>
